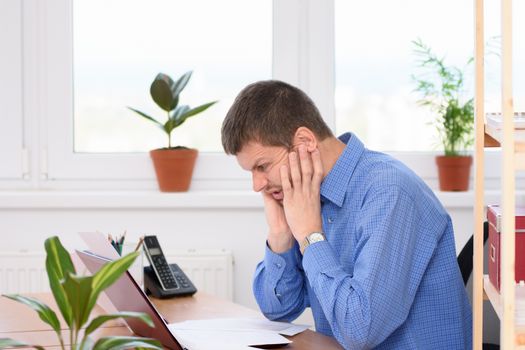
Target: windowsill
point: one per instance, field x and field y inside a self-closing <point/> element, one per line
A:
<point x="186" y="200"/>
<point x="128" y="200"/>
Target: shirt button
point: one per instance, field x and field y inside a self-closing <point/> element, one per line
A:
<point x="330" y="220"/>
<point x="278" y="265"/>
<point x="278" y="295"/>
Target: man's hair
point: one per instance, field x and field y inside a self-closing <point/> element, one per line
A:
<point x="270" y="112"/>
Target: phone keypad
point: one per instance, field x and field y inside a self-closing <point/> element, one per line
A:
<point x="166" y="275"/>
<point x="182" y="280"/>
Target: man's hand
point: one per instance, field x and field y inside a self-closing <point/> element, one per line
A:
<point x="280" y="237"/>
<point x="302" y="204"/>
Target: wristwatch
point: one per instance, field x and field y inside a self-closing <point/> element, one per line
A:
<point x="310" y="239"/>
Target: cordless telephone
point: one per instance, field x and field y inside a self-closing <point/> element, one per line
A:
<point x="163" y="279"/>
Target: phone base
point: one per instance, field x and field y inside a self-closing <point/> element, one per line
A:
<point x="152" y="285"/>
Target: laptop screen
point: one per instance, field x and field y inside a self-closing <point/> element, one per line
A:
<point x="126" y="295"/>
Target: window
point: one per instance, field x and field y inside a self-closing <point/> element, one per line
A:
<point x="374" y="62"/>
<point x="103" y="151"/>
<point x="493" y="61"/>
<point x="116" y="60"/>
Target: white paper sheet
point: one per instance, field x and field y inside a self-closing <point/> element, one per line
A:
<point x="203" y="339"/>
<point x="227" y="324"/>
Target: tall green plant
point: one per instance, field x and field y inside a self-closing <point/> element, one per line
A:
<point x="76" y="297"/>
<point x="442" y="89"/>
<point x="166" y="94"/>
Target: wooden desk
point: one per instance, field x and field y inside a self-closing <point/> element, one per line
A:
<point x="19" y="322"/>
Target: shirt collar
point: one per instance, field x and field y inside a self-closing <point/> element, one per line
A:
<point x="335" y="184"/>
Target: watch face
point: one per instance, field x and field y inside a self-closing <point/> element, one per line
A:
<point x="312" y="238"/>
<point x="315" y="237"/>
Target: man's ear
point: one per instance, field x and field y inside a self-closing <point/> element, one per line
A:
<point x="305" y="136"/>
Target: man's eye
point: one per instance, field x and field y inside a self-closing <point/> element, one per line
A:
<point x="261" y="167"/>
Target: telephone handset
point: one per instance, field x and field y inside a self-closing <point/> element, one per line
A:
<point x="162" y="279"/>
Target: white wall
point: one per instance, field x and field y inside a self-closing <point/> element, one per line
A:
<point x="207" y="221"/>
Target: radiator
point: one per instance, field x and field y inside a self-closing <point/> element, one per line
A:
<point x="210" y="270"/>
<point x="23" y="272"/>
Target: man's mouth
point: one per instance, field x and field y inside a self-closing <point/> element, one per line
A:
<point x="278" y="195"/>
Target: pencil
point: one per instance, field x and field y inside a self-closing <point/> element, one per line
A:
<point x="141" y="239"/>
<point x="123" y="237"/>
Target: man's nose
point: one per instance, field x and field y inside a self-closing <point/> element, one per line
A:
<point x="259" y="182"/>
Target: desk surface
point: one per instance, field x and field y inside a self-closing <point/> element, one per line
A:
<point x="19" y="322"/>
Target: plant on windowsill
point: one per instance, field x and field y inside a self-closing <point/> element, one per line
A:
<point x="442" y="89"/>
<point x="173" y="165"/>
<point x="76" y="296"/>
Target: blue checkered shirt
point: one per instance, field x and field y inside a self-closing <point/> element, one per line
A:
<point x="386" y="277"/>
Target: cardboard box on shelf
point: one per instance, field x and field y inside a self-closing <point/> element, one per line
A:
<point x="494" y="214"/>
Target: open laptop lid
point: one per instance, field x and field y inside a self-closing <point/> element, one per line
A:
<point x="99" y="245"/>
<point x="126" y="295"/>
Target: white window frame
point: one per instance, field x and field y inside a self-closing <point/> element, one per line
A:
<point x="14" y="167"/>
<point x="303" y="55"/>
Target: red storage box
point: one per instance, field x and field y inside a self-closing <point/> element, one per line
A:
<point x="494" y="216"/>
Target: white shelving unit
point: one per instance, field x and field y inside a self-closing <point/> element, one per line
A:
<point x="513" y="152"/>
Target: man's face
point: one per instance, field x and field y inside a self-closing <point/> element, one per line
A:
<point x="264" y="162"/>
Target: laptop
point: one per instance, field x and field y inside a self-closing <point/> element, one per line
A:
<point x="134" y="299"/>
<point x="126" y="295"/>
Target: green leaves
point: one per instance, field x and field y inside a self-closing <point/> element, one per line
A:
<point x="120" y="343"/>
<point x="441" y="89"/>
<point x="161" y="93"/>
<point x="107" y="275"/>
<point x="165" y="92"/>
<point x="10" y="343"/>
<point x="58" y="266"/>
<point x="98" y="321"/>
<point x="457" y="121"/>
<point x="182" y="118"/>
<point x="182" y="113"/>
<point x="76" y="297"/>
<point x="78" y="291"/>
<point x="181" y="84"/>
<point x="144" y="115"/>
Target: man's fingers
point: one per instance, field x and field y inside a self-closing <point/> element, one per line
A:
<point x="295" y="170"/>
<point x="285" y="180"/>
<point x="306" y="167"/>
<point x="317" y="177"/>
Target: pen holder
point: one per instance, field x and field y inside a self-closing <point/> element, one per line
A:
<point x="137" y="269"/>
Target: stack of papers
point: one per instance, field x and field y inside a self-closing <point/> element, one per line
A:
<point x="233" y="333"/>
<point x="494" y="120"/>
<point x="495" y="124"/>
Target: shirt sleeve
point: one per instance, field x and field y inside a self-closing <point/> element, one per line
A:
<point x="391" y="255"/>
<point x="279" y="285"/>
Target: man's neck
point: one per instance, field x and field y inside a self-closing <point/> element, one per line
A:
<point x="331" y="149"/>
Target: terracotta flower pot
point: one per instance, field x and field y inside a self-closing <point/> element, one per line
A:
<point x="454" y="172"/>
<point x="174" y="168"/>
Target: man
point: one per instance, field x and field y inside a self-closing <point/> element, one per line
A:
<point x="353" y="234"/>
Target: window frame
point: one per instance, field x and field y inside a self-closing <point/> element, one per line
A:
<point x="14" y="168"/>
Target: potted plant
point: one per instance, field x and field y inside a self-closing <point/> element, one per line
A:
<point x="76" y="297"/>
<point x="173" y="164"/>
<point x="442" y="89"/>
